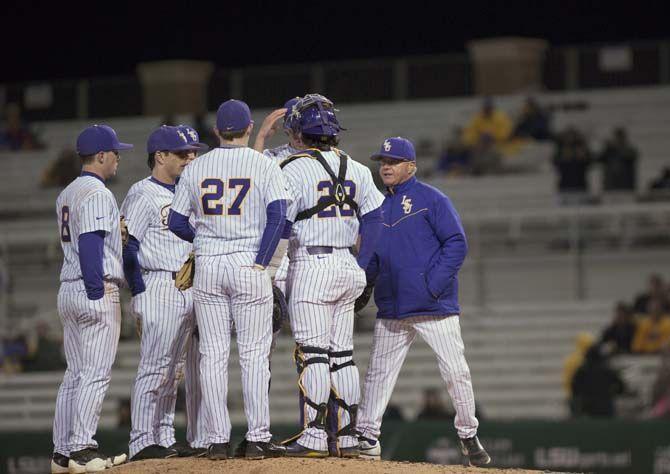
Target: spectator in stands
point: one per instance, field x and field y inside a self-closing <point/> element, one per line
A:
<point x="653" y="331"/>
<point x="433" y="407"/>
<point x="534" y="122"/>
<point x="619" y="159"/>
<point x="656" y="290"/>
<point x="618" y="336"/>
<point x="660" y="392"/>
<point x="62" y="171"/>
<point x="44" y="353"/>
<point x="14" y="350"/>
<point x="15" y="133"/>
<point x="583" y="343"/>
<point x="572" y="159"/>
<point x="489" y="124"/>
<point x="662" y="183"/>
<point x="455" y="155"/>
<point x="595" y="386"/>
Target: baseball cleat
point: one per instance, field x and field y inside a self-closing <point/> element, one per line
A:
<point x="350" y="452"/>
<point x="154" y="451"/>
<point x="474" y="452"/>
<point x="369" y="449"/>
<point x="87" y="460"/>
<point x="59" y="464"/>
<point x="184" y="450"/>
<point x="116" y="460"/>
<point x="262" y="450"/>
<point x="297" y="450"/>
<point x="217" y="451"/>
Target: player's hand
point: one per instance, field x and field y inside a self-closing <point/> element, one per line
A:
<point x="363" y="300"/>
<point x="271" y="123"/>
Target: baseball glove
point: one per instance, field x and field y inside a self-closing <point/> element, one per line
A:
<point x="184" y="278"/>
<point x="125" y="235"/>
<point x="279" y="309"/>
<point x="363" y="300"/>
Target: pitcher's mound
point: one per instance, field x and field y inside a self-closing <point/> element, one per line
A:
<point x="297" y="466"/>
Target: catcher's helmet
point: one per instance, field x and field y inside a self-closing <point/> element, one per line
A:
<point x="315" y="115"/>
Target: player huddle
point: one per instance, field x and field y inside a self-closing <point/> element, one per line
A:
<point x="285" y="234"/>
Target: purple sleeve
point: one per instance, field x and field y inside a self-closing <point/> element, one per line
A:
<point x="131" y="266"/>
<point x="274" y="226"/>
<point x="179" y="225"/>
<point x="90" y="261"/>
<point x="371" y="228"/>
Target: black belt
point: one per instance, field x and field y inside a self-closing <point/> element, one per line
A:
<point x="320" y="250"/>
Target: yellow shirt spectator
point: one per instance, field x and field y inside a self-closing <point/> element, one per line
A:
<point x="653" y="332"/>
<point x="583" y="342"/>
<point x="489" y="122"/>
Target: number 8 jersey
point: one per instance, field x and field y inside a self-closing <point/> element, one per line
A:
<point x="309" y="182"/>
<point x="227" y="191"/>
<point x="86" y="205"/>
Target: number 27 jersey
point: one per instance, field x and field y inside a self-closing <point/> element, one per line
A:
<point x="227" y="191"/>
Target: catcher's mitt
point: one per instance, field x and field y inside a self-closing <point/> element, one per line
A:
<point x="362" y="301"/>
<point x="125" y="235"/>
<point x="279" y="309"/>
<point x="184" y="278"/>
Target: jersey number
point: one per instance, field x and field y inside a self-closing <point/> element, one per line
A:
<point x="325" y="188"/>
<point x="65" y="224"/>
<point x="213" y="200"/>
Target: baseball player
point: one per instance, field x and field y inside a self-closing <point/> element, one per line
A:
<point x="278" y="154"/>
<point x="238" y="200"/>
<point x="415" y="267"/>
<point x="331" y="193"/>
<point x="88" y="301"/>
<point x="151" y="260"/>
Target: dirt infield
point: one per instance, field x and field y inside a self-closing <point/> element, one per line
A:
<point x="297" y="466"/>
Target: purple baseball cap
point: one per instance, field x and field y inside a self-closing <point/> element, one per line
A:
<point x="233" y="116"/>
<point x="97" y="138"/>
<point x="396" y="148"/>
<point x="167" y="138"/>
<point x="193" y="137"/>
<point x="289" y="111"/>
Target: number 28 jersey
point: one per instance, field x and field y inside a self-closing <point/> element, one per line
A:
<point x="309" y="182"/>
<point x="227" y="191"/>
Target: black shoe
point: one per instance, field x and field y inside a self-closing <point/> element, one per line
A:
<point x="474" y="452"/>
<point x="241" y="449"/>
<point x="59" y="464"/>
<point x="296" y="450"/>
<point x="217" y="451"/>
<point x="87" y="460"/>
<point x="155" y="451"/>
<point x="199" y="452"/>
<point x="184" y="450"/>
<point x="262" y="450"/>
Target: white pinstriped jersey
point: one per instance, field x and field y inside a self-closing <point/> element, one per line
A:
<point x="86" y="205"/>
<point x="308" y="181"/>
<point x="146" y="209"/>
<point x="227" y="190"/>
<point x="278" y="154"/>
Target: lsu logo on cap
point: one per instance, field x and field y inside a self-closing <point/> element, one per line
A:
<point x="182" y="136"/>
<point x="387" y="145"/>
<point x="192" y="134"/>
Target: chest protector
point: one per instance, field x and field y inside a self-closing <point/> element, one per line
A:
<point x="339" y="197"/>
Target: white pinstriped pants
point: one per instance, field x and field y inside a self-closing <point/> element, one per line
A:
<point x="391" y="340"/>
<point x="91" y="336"/>
<point x="229" y="291"/>
<point x="322" y="290"/>
<point x="167" y="320"/>
<point x="281" y="274"/>
<point x="196" y="431"/>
